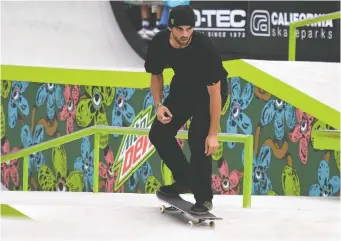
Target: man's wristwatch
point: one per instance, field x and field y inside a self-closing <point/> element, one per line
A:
<point x="158" y="105"/>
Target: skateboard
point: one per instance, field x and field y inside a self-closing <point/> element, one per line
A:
<point x="178" y="204"/>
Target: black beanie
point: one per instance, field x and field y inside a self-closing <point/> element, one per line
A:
<point x="181" y="15"/>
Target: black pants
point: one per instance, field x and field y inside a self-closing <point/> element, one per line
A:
<point x="198" y="172"/>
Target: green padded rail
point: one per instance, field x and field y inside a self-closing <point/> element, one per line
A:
<point x="97" y="130"/>
<point x="327" y="140"/>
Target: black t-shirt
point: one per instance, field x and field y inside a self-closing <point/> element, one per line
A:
<point x="195" y="67"/>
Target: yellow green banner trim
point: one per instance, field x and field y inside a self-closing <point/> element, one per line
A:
<point x="8" y="211"/>
<point x="129" y="79"/>
<point x="327" y="140"/>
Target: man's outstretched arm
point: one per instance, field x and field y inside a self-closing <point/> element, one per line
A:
<point x="215" y="108"/>
<point x="157" y="87"/>
<point x="212" y="144"/>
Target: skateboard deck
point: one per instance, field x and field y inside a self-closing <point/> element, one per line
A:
<point x="178" y="204"/>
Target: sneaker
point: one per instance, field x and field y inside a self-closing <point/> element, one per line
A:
<point x="201" y="208"/>
<point x="151" y="33"/>
<point x="174" y="190"/>
<point x="156" y="30"/>
<point x="144" y="33"/>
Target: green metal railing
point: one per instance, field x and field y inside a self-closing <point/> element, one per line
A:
<point x="302" y="23"/>
<point x="328" y="140"/>
<point x="98" y="130"/>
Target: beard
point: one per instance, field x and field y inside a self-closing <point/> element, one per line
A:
<point x="182" y="41"/>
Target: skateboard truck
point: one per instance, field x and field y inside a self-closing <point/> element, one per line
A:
<point x="194" y="221"/>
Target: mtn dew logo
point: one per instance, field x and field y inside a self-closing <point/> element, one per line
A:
<point x="134" y="150"/>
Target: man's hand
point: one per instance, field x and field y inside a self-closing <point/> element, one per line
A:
<point x="211" y="144"/>
<point x="161" y="111"/>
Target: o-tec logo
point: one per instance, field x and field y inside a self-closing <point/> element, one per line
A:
<point x="260" y="23"/>
<point x="221" y="23"/>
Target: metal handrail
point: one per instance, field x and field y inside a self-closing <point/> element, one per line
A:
<point x="301" y="23"/>
<point x="98" y="130"/>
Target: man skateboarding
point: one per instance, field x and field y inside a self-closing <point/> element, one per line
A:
<point x="197" y="91"/>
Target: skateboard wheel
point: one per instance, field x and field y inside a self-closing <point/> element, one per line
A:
<point x="162" y="209"/>
<point x="212" y="224"/>
<point x="190" y="223"/>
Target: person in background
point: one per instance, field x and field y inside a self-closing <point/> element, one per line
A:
<point x="148" y="30"/>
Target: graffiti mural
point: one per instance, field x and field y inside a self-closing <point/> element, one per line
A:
<point x="284" y="162"/>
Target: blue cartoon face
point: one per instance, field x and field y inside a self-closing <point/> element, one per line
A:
<point x="239" y="103"/>
<point x="282" y="113"/>
<point x="35" y="159"/>
<point x="50" y="94"/>
<point x="326" y="186"/>
<point x="261" y="183"/>
<point x="17" y="102"/>
<point x="143" y="173"/>
<point x="122" y="109"/>
<point x="85" y="163"/>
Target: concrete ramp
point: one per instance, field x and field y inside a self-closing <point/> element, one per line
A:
<point x="64" y="34"/>
<point x="108" y="216"/>
<point x="321" y="81"/>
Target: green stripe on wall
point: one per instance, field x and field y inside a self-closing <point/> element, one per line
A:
<point x="327" y="140"/>
<point x="82" y="77"/>
<point x="127" y="79"/>
<point x="79" y="76"/>
<point x="8" y="211"/>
